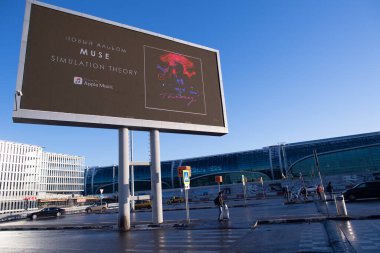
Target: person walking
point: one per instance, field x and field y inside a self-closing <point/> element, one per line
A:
<point x="330" y="189"/>
<point x="220" y="202"/>
<point x="285" y="192"/>
<point x="319" y="192"/>
<point x="303" y="192"/>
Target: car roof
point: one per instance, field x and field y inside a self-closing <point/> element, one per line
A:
<point x="368" y="182"/>
<point x="374" y="181"/>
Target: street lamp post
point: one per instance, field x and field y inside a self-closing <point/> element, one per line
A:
<point x="101" y="200"/>
<point x="244" y="182"/>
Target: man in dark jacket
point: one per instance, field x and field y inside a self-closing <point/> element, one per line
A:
<point x="220" y="203"/>
<point x="330" y="189"/>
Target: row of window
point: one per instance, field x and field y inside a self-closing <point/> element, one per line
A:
<point x="18" y="177"/>
<point x="16" y="205"/>
<point x="272" y="163"/>
<point x="7" y="194"/>
<point x="64" y="187"/>
<point x="347" y="161"/>
<point x="26" y="171"/>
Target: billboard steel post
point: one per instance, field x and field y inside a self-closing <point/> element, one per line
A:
<point x="124" y="192"/>
<point x="155" y="173"/>
<point x="132" y="176"/>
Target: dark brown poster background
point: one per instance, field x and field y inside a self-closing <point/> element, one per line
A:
<point x="82" y="66"/>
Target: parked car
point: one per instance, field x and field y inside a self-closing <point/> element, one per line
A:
<point x="143" y="204"/>
<point x="175" y="200"/>
<point x="311" y="190"/>
<point x="97" y="207"/>
<point x="364" y="190"/>
<point x="46" y="212"/>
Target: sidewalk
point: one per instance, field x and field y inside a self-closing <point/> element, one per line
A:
<point x="268" y="225"/>
<point x="263" y="211"/>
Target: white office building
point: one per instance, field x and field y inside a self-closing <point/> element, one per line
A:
<point x="28" y="174"/>
<point x="61" y="174"/>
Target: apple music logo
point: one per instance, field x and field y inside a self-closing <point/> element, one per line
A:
<point x="78" y="80"/>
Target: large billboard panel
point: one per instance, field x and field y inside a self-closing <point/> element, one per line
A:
<point x="81" y="70"/>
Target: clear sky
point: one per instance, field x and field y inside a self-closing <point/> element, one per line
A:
<point x="292" y="71"/>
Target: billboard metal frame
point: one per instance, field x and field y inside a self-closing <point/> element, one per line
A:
<point x="85" y="120"/>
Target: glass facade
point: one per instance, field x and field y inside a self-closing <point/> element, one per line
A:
<point x="346" y="161"/>
<point x="341" y="155"/>
<point x="97" y="178"/>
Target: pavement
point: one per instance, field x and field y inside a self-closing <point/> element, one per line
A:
<point x="304" y="226"/>
<point x="263" y="215"/>
<point x="302" y="211"/>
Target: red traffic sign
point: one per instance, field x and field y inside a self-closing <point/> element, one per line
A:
<point x="182" y="168"/>
<point x="30" y="198"/>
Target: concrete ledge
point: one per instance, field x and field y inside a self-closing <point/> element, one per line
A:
<point x="65" y="227"/>
<point x="340" y="218"/>
<point x="315" y="219"/>
<point x="182" y="224"/>
<point x="298" y="202"/>
<point x="337" y="239"/>
<point x="109" y="225"/>
<point x="368" y="217"/>
<point x="291" y="220"/>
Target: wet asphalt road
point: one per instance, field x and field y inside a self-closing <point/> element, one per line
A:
<point x="205" y="234"/>
<point x="240" y="216"/>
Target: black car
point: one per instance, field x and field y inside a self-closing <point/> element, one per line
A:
<point x="46" y="212"/>
<point x="366" y="190"/>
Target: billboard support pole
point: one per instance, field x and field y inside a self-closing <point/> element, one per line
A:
<point x="124" y="192"/>
<point x="132" y="176"/>
<point x="155" y="173"/>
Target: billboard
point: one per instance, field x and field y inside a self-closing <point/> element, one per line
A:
<point x="80" y="70"/>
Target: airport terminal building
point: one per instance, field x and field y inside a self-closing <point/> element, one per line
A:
<point x="348" y="155"/>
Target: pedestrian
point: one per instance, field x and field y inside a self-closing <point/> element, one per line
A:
<point x="285" y="192"/>
<point x="330" y="189"/>
<point x="220" y="202"/>
<point x="26" y="204"/>
<point x="304" y="193"/>
<point x="319" y="192"/>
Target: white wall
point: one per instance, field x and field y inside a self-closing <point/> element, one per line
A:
<point x="27" y="174"/>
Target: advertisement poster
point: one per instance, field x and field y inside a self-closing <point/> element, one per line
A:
<point x="77" y="65"/>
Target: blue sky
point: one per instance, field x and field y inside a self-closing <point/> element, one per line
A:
<point x="292" y="71"/>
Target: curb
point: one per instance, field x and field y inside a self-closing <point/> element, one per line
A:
<point x="369" y="217"/>
<point x="110" y="226"/>
<point x="298" y="202"/>
<point x="183" y="225"/>
<point x="317" y="219"/>
<point x="337" y="239"/>
<point x="291" y="220"/>
<point x="112" y="209"/>
<point x="57" y="228"/>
